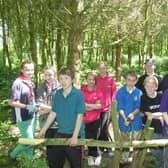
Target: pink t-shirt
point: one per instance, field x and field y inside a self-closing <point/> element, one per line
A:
<point x="108" y="87"/>
<point x="91" y="97"/>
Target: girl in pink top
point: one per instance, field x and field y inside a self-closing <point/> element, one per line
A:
<point x="94" y="103"/>
<point x="107" y="85"/>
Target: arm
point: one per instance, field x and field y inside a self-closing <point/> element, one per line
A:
<point x="122" y="113"/>
<point x="133" y="114"/>
<point x="16" y="104"/>
<point x="47" y="124"/>
<point x="165" y="117"/>
<point x="74" y="139"/>
<point x="44" y="109"/>
<point x="157" y="115"/>
<point x="95" y="106"/>
<point x="149" y="115"/>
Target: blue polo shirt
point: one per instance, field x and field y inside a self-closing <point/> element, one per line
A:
<point x="67" y="109"/>
<point x="129" y="102"/>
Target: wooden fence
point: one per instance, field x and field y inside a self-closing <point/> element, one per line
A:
<point x="137" y="147"/>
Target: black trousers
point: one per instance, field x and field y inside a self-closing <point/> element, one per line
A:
<point x="50" y="133"/>
<point x="60" y="153"/>
<point x="105" y="121"/>
<point x="92" y="131"/>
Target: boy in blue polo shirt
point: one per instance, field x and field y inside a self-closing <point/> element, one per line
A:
<point x="69" y="107"/>
<point x="128" y="105"/>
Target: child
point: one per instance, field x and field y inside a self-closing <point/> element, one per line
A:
<point x="164" y="110"/>
<point x="94" y="103"/>
<point x="150" y="67"/>
<point x="45" y="95"/>
<point x="107" y="85"/>
<point x="150" y="103"/>
<point x="22" y="99"/>
<point x="69" y="107"/>
<point x="128" y="105"/>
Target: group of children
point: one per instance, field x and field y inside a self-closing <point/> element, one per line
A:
<point x="68" y="112"/>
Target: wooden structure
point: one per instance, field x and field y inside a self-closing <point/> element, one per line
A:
<point x="138" y="147"/>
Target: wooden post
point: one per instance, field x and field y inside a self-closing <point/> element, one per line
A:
<point x="148" y="133"/>
<point x="114" y="116"/>
<point x="139" y="156"/>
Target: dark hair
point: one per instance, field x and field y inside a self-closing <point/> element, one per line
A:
<point x="150" y="61"/>
<point x="131" y="73"/>
<point x="67" y="71"/>
<point x="26" y="62"/>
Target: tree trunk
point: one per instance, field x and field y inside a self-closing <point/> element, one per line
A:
<point x="6" y="57"/>
<point x="145" y="36"/>
<point x="75" y="33"/>
<point x="118" y="62"/>
<point x="129" y="55"/>
<point x="75" y="39"/>
<point x="43" y="43"/>
<point x="139" y="55"/>
<point x="113" y="56"/>
<point x="166" y="53"/>
<point x="19" y="33"/>
<point x="151" y="46"/>
<point x="32" y="41"/>
<point x="161" y="47"/>
<point x="58" y="48"/>
<point x="91" y="50"/>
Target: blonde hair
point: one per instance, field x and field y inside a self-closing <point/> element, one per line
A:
<point x="102" y="62"/>
<point x="151" y="79"/>
<point x="92" y="74"/>
<point x="51" y="68"/>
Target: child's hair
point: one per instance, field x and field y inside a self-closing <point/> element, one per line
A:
<point x="67" y="71"/>
<point x="51" y="68"/>
<point x="131" y="73"/>
<point x="102" y="62"/>
<point x="26" y="62"/>
<point x="151" y="79"/>
<point x="92" y="74"/>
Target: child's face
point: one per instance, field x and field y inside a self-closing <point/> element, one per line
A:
<point x="65" y="81"/>
<point x="102" y="69"/>
<point x="28" y="70"/>
<point x="49" y="75"/>
<point x="149" y="67"/>
<point x="150" y="88"/>
<point x="91" y="81"/>
<point x="130" y="81"/>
